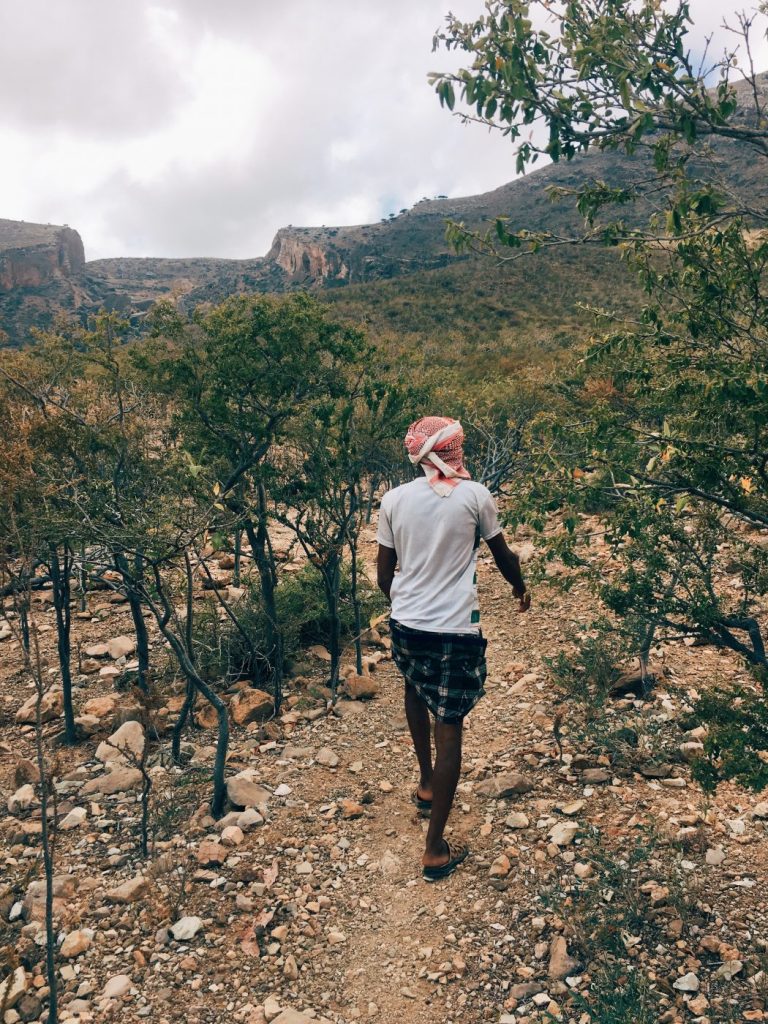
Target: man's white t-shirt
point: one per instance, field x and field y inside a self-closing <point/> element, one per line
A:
<point x="436" y="540"/>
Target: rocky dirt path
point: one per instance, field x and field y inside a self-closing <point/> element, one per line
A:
<point x="311" y="906"/>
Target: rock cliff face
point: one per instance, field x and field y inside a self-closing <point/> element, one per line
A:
<point x="36" y="255"/>
<point x="43" y="270"/>
<point x="307" y="259"/>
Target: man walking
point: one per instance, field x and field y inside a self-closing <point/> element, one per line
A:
<point x="431" y="528"/>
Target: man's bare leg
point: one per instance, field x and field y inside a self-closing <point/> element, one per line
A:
<point x="417" y="714"/>
<point x="445" y="778"/>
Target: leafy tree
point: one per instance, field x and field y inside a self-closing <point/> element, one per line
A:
<point x="662" y="425"/>
<point x="239" y="374"/>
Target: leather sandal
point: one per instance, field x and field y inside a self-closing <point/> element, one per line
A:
<point x="434" y="874"/>
<point x="424" y="807"/>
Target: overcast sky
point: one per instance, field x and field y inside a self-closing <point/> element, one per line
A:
<point x="199" y="127"/>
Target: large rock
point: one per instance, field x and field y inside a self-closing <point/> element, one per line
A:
<point x="563" y="833"/>
<point x="361" y="687"/>
<point x="100" y="707"/>
<point x="186" y="928"/>
<point x="211" y="853"/>
<point x="120" y="780"/>
<point x="117" y="987"/>
<point x="13" y="988"/>
<point x="243" y="792"/>
<point x="292" y="1017"/>
<point x="86" y="726"/>
<point x="74" y="819"/>
<point x="121" y="647"/>
<point x="33" y="907"/>
<point x="504" y="785"/>
<point x="22" y="799"/>
<point x="251" y="705"/>
<point x="26" y="771"/>
<point x="561" y="964"/>
<point x="51" y="706"/>
<point x="76" y="943"/>
<point x="99" y="650"/>
<point x="125" y="746"/>
<point x="130" y="891"/>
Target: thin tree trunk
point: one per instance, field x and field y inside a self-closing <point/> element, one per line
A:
<point x="222" y="742"/>
<point x="181" y="721"/>
<point x="163" y="614"/>
<point x="258" y="537"/>
<point x="24" y="623"/>
<point x="351" y="533"/>
<point x="47" y="840"/>
<point x="82" y="578"/>
<point x="373" y="487"/>
<point x="60" y="574"/>
<point x="136" y="605"/>
<point x="238" y="557"/>
<point x="332" y="580"/>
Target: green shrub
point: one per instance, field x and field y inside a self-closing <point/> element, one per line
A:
<point x="587" y="675"/>
<point x="737" y="742"/>
<point x="618" y="994"/>
<point x="222" y="652"/>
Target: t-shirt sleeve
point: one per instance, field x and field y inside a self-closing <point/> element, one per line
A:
<point x="384" y="534"/>
<point x="488" y="516"/>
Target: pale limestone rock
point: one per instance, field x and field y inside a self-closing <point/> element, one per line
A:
<point x="211" y="854"/>
<point x="232" y="835"/>
<point x="186" y="928"/>
<point x="72" y="820"/>
<point x="292" y="1017"/>
<point x="500" y="867"/>
<point x="120" y="780"/>
<point x="121" y="647"/>
<point x="688" y="983"/>
<point x="124" y="746"/>
<point x="51" y="706"/>
<point x="117" y="987"/>
<point x="504" y="785"/>
<point x="563" y="833"/>
<point x="96" y="650"/>
<point x="13" y="988"/>
<point x="22" y="799"/>
<point x="271" y="1008"/>
<point x="243" y="792"/>
<point x="100" y="707"/>
<point x="130" y="891"/>
<point x="327" y="757"/>
<point x="561" y="963"/>
<point x="76" y="943"/>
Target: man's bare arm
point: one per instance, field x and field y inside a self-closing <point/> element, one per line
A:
<point x="509" y="566"/>
<point x="386" y="562"/>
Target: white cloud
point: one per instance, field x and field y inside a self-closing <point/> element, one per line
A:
<point x="185" y="127"/>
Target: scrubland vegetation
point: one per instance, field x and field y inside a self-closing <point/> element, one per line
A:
<point x="217" y="476"/>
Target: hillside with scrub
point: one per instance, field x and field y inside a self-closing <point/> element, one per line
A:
<point x="207" y="774"/>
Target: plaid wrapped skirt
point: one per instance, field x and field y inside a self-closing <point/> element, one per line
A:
<point x="447" y="670"/>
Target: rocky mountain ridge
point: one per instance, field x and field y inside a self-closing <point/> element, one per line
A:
<point x="43" y="270"/>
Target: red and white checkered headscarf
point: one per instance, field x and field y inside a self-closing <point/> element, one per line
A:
<point x="432" y="435"/>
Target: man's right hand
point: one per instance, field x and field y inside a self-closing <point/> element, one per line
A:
<point x="509" y="567"/>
